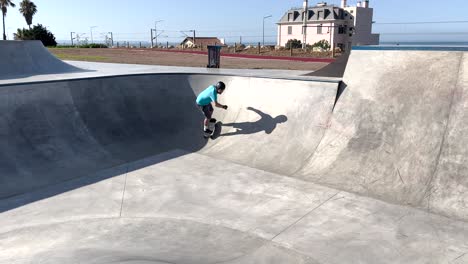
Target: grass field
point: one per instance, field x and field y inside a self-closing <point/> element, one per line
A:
<point x="152" y="57"/>
<point x="63" y="56"/>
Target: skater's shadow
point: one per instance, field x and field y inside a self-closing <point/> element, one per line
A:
<point x="267" y="124"/>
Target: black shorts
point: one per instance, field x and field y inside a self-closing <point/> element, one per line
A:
<point x="207" y="110"/>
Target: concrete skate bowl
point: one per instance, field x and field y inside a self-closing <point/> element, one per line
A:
<point x="56" y="131"/>
<point x="394" y="130"/>
<point x="66" y="135"/>
<point x="21" y="59"/>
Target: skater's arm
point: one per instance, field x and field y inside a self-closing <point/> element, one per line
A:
<point x="220" y="105"/>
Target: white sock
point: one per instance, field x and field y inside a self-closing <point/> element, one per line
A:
<point x="205" y="127"/>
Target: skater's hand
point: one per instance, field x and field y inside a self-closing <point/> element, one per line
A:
<point x="225" y="107"/>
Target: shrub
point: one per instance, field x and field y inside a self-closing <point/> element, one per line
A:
<point x="93" y="46"/>
<point x="294" y="43"/>
<point x="323" y="44"/>
<point x="84" y="46"/>
<point x="37" y="32"/>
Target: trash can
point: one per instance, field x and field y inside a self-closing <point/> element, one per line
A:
<point x="214" y="56"/>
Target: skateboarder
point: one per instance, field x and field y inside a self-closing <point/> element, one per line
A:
<point x="205" y="100"/>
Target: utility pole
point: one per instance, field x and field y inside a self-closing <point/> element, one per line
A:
<point x="112" y="38"/>
<point x="152" y="38"/>
<point x="91" y="29"/>
<point x="156" y="30"/>
<point x="304" y="25"/>
<point x="264" y="28"/>
<point x="71" y="37"/>
<point x="194" y="35"/>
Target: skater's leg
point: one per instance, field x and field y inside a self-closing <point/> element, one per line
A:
<point x="208" y="112"/>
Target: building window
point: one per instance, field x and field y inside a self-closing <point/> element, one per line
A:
<point x="319" y="29"/>
<point x="319" y="14"/>
<point x="289" y="30"/>
<point x="341" y="30"/>
<point x="290" y="17"/>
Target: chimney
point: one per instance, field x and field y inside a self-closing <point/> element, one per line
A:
<point x="358" y="4"/>
<point x="344" y="3"/>
<point x="306" y="5"/>
<point x="365" y="4"/>
<point x="322" y="4"/>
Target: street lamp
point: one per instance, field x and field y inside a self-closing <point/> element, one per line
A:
<point x="91" y="29"/>
<point x="156" y="31"/>
<point x="264" y="28"/>
<point x="7" y="30"/>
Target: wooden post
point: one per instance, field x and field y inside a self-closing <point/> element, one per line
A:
<point x="140" y="44"/>
<point x="333" y="51"/>
<point x="291" y="49"/>
<point x="259" y="48"/>
<point x="167" y="44"/>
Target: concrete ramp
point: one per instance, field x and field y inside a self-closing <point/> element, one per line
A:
<point x="448" y="188"/>
<point x="26" y="58"/>
<point x="396" y="131"/>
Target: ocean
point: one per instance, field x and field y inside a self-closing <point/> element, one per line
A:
<point x="463" y="44"/>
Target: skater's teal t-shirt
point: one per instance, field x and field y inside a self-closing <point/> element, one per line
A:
<point x="207" y="96"/>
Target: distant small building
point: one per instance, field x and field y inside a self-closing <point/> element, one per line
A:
<point x="342" y="26"/>
<point x="200" y="41"/>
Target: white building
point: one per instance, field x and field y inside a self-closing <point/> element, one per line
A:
<point x="342" y="26"/>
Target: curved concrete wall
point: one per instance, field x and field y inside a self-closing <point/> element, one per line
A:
<point x="397" y="132"/>
<point x="56" y="131"/>
<point x="448" y="191"/>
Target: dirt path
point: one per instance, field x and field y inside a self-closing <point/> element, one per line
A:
<point x="151" y="57"/>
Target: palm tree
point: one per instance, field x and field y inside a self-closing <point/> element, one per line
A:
<point x="4" y="4"/>
<point x="28" y="9"/>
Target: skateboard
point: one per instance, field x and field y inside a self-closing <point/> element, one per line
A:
<point x="212" y="127"/>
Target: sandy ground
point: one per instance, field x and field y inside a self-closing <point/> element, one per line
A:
<point x="178" y="59"/>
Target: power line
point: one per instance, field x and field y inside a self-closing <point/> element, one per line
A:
<point x="425" y="33"/>
<point x="423" y="22"/>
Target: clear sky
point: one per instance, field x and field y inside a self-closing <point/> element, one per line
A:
<point x="132" y="20"/>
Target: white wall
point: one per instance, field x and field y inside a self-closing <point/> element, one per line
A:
<point x="312" y="36"/>
<point x="283" y="32"/>
<point x="362" y="23"/>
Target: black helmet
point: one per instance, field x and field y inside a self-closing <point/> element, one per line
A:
<point x="220" y="86"/>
